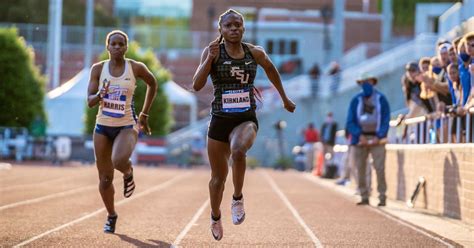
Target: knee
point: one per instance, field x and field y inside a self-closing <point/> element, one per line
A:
<point x="120" y="162"/>
<point x="217" y="182"/>
<point x="105" y="181"/>
<point x="238" y="154"/>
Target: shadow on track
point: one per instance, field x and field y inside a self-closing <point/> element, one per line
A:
<point x="139" y="243"/>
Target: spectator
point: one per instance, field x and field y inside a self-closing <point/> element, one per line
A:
<point x="368" y="123"/>
<point x="335" y="72"/>
<point x="314" y="75"/>
<point x="466" y="68"/>
<point x="311" y="136"/>
<point x="328" y="135"/>
<point x="424" y="64"/>
<point x="412" y="89"/>
<point x="453" y="75"/>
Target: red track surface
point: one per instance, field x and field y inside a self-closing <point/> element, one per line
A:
<point x="42" y="206"/>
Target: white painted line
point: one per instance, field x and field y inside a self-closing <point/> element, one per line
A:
<point x="295" y="213"/>
<point x="311" y="178"/>
<point x="413" y="227"/>
<point x="123" y="201"/>
<point x="46" y="197"/>
<point x="190" y="224"/>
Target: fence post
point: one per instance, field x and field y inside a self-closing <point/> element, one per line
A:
<point x="450" y="126"/>
<point x="468" y="128"/>
<point x="458" y="129"/>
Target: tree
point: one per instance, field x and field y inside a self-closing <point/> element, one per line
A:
<point x="160" y="119"/>
<point x="35" y="11"/>
<point x="21" y="85"/>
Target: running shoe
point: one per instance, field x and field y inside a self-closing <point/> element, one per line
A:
<point x="109" y="226"/>
<point x="128" y="185"/>
<point x="238" y="212"/>
<point x="216" y="229"/>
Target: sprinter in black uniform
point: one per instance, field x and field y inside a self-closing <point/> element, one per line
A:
<point x="232" y="65"/>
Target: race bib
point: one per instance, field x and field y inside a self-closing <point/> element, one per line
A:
<point x="234" y="101"/>
<point x="114" y="103"/>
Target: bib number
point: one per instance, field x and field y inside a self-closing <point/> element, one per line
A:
<point x="236" y="101"/>
<point x="114" y="108"/>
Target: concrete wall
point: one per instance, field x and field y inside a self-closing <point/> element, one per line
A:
<point x="449" y="174"/>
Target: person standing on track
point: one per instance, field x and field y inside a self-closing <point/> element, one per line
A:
<point x="232" y="65"/>
<point x="111" y="86"/>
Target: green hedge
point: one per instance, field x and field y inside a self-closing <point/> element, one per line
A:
<point x="160" y="119"/>
<point x="21" y="85"/>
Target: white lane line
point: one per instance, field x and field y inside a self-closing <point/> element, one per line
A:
<point x="46" y="197"/>
<point x="190" y="224"/>
<point x="123" y="201"/>
<point x="413" y="227"/>
<point x="311" y="178"/>
<point x="295" y="213"/>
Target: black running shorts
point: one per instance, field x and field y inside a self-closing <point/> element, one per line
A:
<point x="220" y="127"/>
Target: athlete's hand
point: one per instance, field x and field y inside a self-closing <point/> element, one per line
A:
<point x="143" y="124"/>
<point x="214" y="48"/>
<point x="289" y="105"/>
<point x="104" y="90"/>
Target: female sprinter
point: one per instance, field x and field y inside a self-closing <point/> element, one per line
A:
<point x="111" y="85"/>
<point x="232" y="65"/>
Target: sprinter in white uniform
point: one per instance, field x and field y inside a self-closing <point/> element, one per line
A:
<point x="112" y="84"/>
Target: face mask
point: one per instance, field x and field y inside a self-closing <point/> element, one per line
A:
<point x="436" y="69"/>
<point x="464" y="57"/>
<point x="367" y="89"/>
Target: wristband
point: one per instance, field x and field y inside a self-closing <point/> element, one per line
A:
<point x="141" y="113"/>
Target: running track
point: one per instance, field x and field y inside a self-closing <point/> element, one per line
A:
<point x="42" y="206"/>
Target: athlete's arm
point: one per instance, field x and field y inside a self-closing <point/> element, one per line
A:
<point x="141" y="71"/>
<point x="92" y="97"/>
<point x="263" y="60"/>
<point x="208" y="56"/>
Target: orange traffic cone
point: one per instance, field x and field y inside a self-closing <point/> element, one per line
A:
<point x="318" y="165"/>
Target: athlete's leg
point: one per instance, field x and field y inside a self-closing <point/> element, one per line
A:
<point x="241" y="139"/>
<point x="122" y="150"/>
<point x="218" y="153"/>
<point x="103" y="153"/>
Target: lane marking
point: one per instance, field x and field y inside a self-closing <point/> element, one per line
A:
<point x="190" y="224"/>
<point x="46" y="197"/>
<point x="311" y="178"/>
<point x="316" y="241"/>
<point x="121" y="202"/>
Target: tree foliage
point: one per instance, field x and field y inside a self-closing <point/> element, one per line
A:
<point x="21" y="85"/>
<point x="36" y="11"/>
<point x="160" y="119"/>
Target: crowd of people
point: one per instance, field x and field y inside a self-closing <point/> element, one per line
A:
<point x="442" y="86"/>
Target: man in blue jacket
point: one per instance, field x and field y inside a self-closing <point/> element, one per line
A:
<point x="368" y="123"/>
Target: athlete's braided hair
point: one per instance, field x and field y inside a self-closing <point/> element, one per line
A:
<point x="228" y="12"/>
<point x="120" y="32"/>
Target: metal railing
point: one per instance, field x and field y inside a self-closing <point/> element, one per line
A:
<point x="434" y="129"/>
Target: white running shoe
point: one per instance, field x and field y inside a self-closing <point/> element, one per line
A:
<point x="238" y="212"/>
<point x="216" y="229"/>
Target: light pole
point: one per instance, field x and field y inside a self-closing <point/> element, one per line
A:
<point x="326" y="14"/>
<point x="211" y="12"/>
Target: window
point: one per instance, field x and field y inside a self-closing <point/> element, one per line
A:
<point x="281" y="47"/>
<point x="269" y="46"/>
<point x="293" y="47"/>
